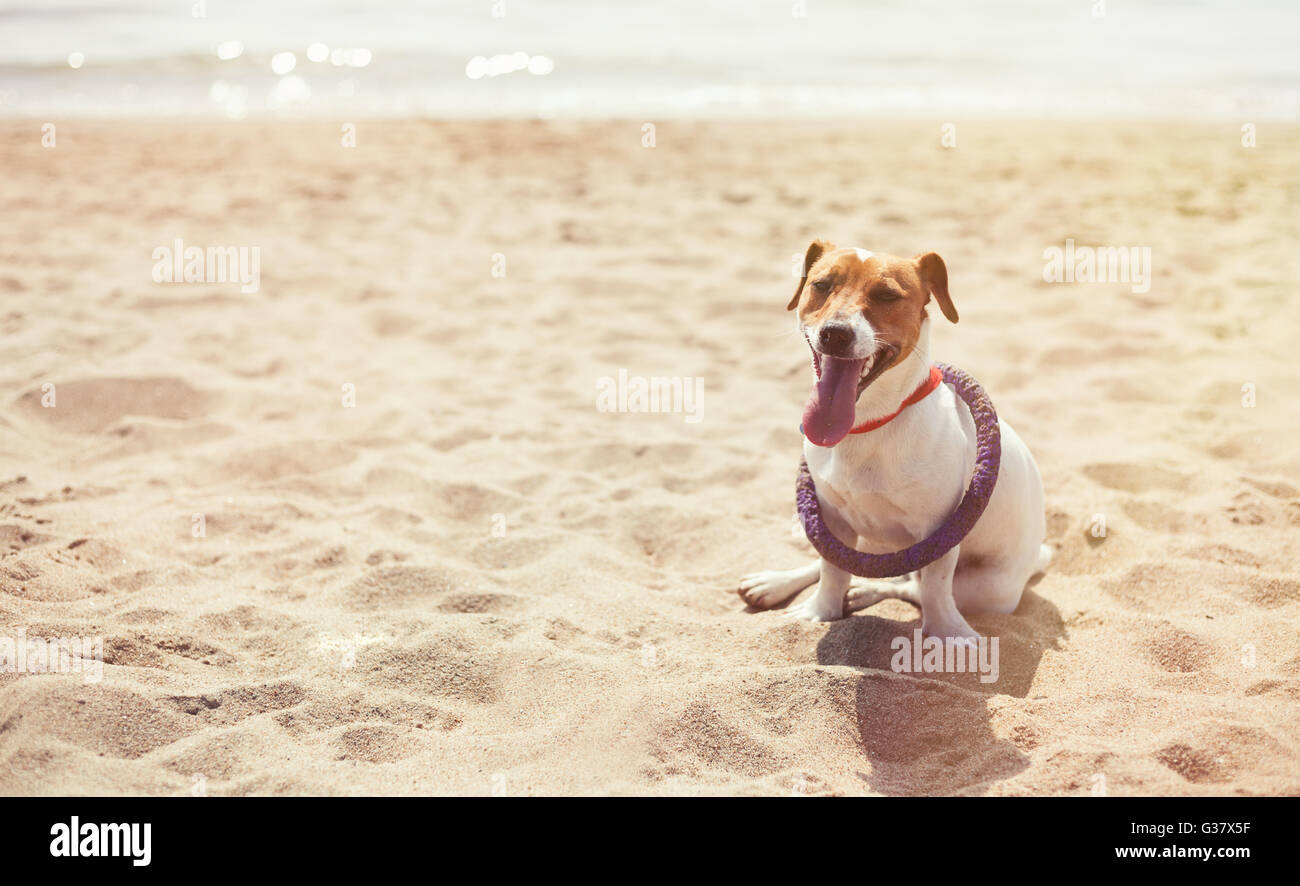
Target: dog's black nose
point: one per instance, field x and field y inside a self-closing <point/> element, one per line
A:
<point x="835" y="340"/>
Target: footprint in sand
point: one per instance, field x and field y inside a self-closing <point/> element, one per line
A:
<point x="91" y="404"/>
<point x="376" y="744"/>
<point x="1132" y="477"/>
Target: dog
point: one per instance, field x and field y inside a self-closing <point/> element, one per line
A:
<point x="887" y="487"/>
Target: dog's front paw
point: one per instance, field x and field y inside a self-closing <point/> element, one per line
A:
<point x="956" y="630"/>
<point x="815" y="608"/>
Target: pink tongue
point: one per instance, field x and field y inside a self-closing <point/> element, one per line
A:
<point x="828" y="417"/>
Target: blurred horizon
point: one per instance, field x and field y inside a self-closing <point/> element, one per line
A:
<point x="673" y="58"/>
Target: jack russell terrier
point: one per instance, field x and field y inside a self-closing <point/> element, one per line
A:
<point x="885" y="485"/>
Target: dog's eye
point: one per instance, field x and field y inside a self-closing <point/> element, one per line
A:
<point x="885" y="295"/>
<point x="822" y="285"/>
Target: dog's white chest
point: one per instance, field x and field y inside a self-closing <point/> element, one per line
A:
<point x="893" y="490"/>
<point x="874" y="516"/>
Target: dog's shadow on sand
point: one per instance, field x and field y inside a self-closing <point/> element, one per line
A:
<point x="932" y="733"/>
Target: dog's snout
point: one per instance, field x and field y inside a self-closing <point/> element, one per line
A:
<point x="835" y="339"/>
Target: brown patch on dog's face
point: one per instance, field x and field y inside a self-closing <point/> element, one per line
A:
<point x="889" y="292"/>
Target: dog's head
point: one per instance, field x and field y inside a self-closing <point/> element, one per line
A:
<point x="862" y="312"/>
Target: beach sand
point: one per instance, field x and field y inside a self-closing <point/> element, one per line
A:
<point x="473" y="581"/>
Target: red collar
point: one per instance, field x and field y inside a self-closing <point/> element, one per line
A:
<point x="927" y="386"/>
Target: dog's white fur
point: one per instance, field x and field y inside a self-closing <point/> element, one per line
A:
<point x="889" y="488"/>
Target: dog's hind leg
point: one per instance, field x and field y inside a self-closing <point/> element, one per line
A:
<point x="990" y="588"/>
<point x="1044" y="559"/>
<point x="866" y="592"/>
<point x="763" y="590"/>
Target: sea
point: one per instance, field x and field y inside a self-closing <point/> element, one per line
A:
<point x="829" y="59"/>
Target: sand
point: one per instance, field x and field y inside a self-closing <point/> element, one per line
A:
<point x="473" y="581"/>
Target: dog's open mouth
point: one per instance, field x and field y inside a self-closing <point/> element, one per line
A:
<point x="828" y="416"/>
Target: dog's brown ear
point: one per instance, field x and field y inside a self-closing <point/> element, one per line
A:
<point x="934" y="277"/>
<point x="816" y="249"/>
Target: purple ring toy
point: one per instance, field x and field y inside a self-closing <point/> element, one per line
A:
<point x="988" y="456"/>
